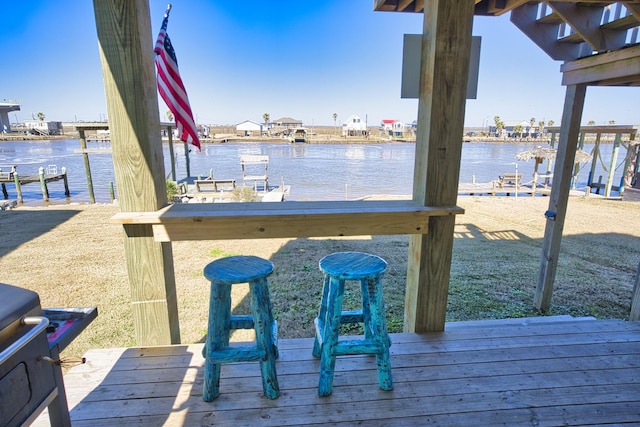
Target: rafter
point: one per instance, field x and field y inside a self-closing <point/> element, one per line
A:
<point x="544" y="35"/>
<point x="585" y="21"/>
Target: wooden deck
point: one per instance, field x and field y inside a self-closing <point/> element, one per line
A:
<point x="536" y="372"/>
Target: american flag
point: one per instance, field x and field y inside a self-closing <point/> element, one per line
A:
<point x="172" y="89"/>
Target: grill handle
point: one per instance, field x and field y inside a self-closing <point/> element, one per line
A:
<point x="41" y="324"/>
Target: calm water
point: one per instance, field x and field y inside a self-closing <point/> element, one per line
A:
<point x="314" y="171"/>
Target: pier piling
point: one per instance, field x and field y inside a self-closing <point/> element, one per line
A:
<point x="66" y="182"/>
<point x="16" y="179"/>
<point x="43" y="184"/>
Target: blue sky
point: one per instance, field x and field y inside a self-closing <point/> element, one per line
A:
<point x="294" y="58"/>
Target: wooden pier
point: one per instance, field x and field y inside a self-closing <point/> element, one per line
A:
<point x="495" y="188"/>
<point x="43" y="177"/>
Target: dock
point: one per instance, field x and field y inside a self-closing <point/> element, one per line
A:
<point x="44" y="177"/>
<point x="493" y="189"/>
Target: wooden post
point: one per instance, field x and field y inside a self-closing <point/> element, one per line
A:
<point x="43" y="184"/>
<point x="635" y="298"/>
<point x="446" y="46"/>
<point x="5" y="193"/>
<point x="628" y="169"/>
<point x="594" y="160"/>
<point x="112" y="193"/>
<point x="125" y="42"/>
<point x="16" y="180"/>
<point x="173" y="159"/>
<point x="559" y="198"/>
<point x="186" y="159"/>
<point x="612" y="165"/>
<point x="576" y="166"/>
<point x="65" y="180"/>
<point x="87" y="166"/>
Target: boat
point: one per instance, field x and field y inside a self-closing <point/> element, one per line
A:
<point x="298" y="135"/>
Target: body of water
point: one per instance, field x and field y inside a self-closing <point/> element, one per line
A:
<point x="314" y="171"/>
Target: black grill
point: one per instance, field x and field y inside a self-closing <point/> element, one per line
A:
<point x="29" y="381"/>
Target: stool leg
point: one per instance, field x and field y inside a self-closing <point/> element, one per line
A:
<point x="322" y="315"/>
<point x="217" y="337"/>
<point x="263" y="323"/>
<point x="369" y="334"/>
<point x="330" y="335"/>
<point x="378" y="327"/>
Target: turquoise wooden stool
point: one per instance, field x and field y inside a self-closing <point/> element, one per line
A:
<point x="368" y="269"/>
<point x="224" y="273"/>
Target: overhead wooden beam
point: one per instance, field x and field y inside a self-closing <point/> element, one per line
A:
<point x="585" y="21"/>
<point x="446" y="47"/>
<point x="126" y="53"/>
<point x="403" y="4"/>
<point x="633" y="8"/>
<point x="544" y="35"/>
<point x="500" y="7"/>
<point x="605" y="69"/>
<point x="559" y="198"/>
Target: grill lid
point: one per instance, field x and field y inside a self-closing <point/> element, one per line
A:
<point x="16" y="302"/>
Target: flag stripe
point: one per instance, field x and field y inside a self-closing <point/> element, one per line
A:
<point x="171" y="88"/>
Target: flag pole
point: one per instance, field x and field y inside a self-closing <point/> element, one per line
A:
<point x="166" y="14"/>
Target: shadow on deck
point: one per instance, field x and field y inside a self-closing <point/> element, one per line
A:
<point x="537" y="371"/>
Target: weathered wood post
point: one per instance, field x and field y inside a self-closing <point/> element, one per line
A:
<point x="126" y="53"/>
<point x="87" y="166"/>
<point x="173" y="158"/>
<point x="186" y="159"/>
<point x="576" y="166"/>
<point x="612" y="165"/>
<point x="594" y="160"/>
<point x="16" y="180"/>
<point x="628" y="169"/>
<point x="65" y="179"/>
<point x="43" y="184"/>
<point x="559" y="198"/>
<point x="5" y="193"/>
<point x="446" y="47"/>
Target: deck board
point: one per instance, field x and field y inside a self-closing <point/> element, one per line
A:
<point x="543" y="371"/>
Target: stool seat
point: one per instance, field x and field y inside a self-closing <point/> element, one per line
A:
<point x="223" y="273"/>
<point x="237" y="269"/>
<point x="352" y="265"/>
<point x="368" y="269"/>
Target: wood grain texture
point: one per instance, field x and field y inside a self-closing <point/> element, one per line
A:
<point x="546" y="371"/>
<point x="290" y="219"/>
<point x="443" y="86"/>
<point x="124" y="38"/>
<point x="559" y="198"/>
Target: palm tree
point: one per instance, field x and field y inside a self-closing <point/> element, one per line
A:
<point x="541" y="127"/>
<point x="169" y="115"/>
<point x="550" y="123"/>
<point x="499" y="124"/>
<point x="41" y="116"/>
<point x="335" y="119"/>
<point x="612" y="122"/>
<point x="518" y="129"/>
<point x="266" y="117"/>
<point x="591" y="122"/>
<point x="532" y="121"/>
